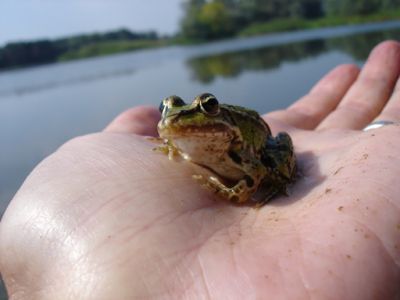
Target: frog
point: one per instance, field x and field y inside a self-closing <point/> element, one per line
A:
<point x="233" y="144"/>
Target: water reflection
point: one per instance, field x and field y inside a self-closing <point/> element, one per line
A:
<point x="230" y="65"/>
<point x="359" y="46"/>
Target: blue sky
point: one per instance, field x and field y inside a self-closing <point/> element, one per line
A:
<point x="34" y="19"/>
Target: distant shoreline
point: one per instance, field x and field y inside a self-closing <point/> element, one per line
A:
<point x="280" y="25"/>
<point x="86" y="46"/>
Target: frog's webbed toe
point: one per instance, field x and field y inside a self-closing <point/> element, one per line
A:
<point x="238" y="193"/>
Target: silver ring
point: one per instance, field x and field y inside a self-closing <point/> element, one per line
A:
<point x="377" y="124"/>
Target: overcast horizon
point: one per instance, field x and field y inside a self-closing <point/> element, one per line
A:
<point x="47" y="19"/>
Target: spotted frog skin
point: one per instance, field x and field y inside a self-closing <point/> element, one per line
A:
<point x="234" y="144"/>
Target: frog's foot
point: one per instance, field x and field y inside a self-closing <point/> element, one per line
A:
<point x="167" y="149"/>
<point x="239" y="193"/>
<point x="268" y="191"/>
<point x="162" y="148"/>
<point x="261" y="201"/>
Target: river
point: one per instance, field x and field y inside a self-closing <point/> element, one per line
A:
<point x="42" y="107"/>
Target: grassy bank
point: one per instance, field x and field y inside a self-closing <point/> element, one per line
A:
<point x="111" y="47"/>
<point x="280" y="25"/>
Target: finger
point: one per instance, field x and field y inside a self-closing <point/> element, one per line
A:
<point x="369" y="94"/>
<point x="391" y="112"/>
<point x="141" y="120"/>
<point x="310" y="110"/>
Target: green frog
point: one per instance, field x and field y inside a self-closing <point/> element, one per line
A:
<point x="234" y="144"/>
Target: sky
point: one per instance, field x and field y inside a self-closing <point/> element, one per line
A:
<point x="35" y="19"/>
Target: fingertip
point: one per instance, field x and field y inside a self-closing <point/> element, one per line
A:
<point x="346" y="69"/>
<point x="383" y="62"/>
<point x="346" y="73"/>
<point x="141" y="120"/>
<point x="389" y="46"/>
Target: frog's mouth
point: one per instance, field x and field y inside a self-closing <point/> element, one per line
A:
<point x="211" y="130"/>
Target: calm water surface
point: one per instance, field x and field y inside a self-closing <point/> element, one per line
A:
<point x="42" y="107"/>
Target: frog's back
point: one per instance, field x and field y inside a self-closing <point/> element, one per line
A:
<point x="253" y="128"/>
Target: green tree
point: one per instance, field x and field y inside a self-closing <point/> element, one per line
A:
<point x="390" y="4"/>
<point x="215" y="18"/>
<point x="28" y="53"/>
<point x="308" y="9"/>
<point x="191" y="27"/>
<point x="352" y="7"/>
<point x="46" y="51"/>
<point x="264" y="10"/>
<point x="207" y="20"/>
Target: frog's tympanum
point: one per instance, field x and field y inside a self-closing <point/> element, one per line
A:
<point x="234" y="144"/>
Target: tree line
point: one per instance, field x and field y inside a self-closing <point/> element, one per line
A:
<point x="45" y="51"/>
<point x="213" y="19"/>
<point x="203" y="20"/>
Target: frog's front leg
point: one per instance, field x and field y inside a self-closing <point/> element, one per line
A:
<point x="253" y="171"/>
<point x="239" y="193"/>
<point x="168" y="149"/>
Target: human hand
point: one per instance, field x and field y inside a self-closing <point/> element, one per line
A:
<point x="104" y="217"/>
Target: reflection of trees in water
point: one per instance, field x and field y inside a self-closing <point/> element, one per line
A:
<point x="206" y="69"/>
<point x="229" y="65"/>
<point x="359" y="46"/>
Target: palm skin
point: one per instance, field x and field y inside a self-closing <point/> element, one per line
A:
<point x="104" y="217"/>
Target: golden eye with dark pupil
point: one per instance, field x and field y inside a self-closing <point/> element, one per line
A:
<point x="210" y="106"/>
<point x="172" y="101"/>
<point x="177" y="101"/>
<point x="204" y="96"/>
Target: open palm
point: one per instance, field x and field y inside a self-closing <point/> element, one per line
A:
<point x="106" y="218"/>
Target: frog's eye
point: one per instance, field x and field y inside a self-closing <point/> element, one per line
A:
<point x="161" y="107"/>
<point x="176" y="101"/>
<point x="210" y="106"/>
<point x="171" y="101"/>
